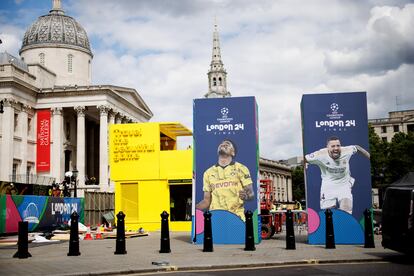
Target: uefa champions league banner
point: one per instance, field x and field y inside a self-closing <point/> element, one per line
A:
<point x="337" y="165"/>
<point x="226" y="167"/>
<point x="41" y="212"/>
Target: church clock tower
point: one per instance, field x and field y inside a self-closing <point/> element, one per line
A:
<point x="217" y="83"/>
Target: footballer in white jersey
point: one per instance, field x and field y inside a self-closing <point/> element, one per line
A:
<point x="337" y="182"/>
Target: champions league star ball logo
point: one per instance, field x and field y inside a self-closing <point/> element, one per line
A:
<point x="334" y="107"/>
<point x="224" y="111"/>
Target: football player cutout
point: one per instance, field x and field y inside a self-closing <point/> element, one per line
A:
<point x="337" y="182"/>
<point x="227" y="184"/>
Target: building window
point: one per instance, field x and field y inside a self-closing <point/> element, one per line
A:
<point x="220" y="83"/>
<point x="42" y="59"/>
<point x="383" y="129"/>
<point x="29" y="126"/>
<point x="70" y="63"/>
<point x="67" y="131"/>
<point x="214" y="82"/>
<point x="28" y="173"/>
<point x="14" y="172"/>
<point x="396" y="128"/>
<point x="384" y="139"/>
<point x="16" y="121"/>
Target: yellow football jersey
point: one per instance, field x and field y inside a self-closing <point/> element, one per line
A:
<point x="224" y="184"/>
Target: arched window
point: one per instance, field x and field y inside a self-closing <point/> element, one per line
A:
<point x="70" y="63"/>
<point x="214" y="82"/>
<point x="42" y="59"/>
<point x="220" y="83"/>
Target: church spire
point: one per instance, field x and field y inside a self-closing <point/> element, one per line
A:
<point x="217" y="83"/>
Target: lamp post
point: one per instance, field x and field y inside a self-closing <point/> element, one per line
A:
<point x="75" y="177"/>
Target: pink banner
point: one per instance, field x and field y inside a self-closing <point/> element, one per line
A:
<point x="43" y="141"/>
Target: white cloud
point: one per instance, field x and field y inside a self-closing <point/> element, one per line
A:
<point x="274" y="50"/>
<point x="388" y="44"/>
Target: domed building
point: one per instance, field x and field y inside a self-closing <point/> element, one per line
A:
<point x="58" y="42"/>
<point x="53" y="120"/>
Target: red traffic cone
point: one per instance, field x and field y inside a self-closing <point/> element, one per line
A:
<point x="98" y="235"/>
<point x="88" y="235"/>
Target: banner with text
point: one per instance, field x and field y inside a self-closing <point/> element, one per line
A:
<point x="43" y="213"/>
<point x="43" y="141"/>
<point x="337" y="165"/>
<point x="226" y="167"/>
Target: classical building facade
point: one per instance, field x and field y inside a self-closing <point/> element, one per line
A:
<point x="397" y="121"/>
<point x="280" y="174"/>
<point x="52" y="81"/>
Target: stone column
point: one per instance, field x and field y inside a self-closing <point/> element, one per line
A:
<point x="118" y="118"/>
<point x="24" y="134"/>
<point x="57" y="159"/>
<point x="282" y="188"/>
<point x="278" y="191"/>
<point x="273" y="177"/>
<point x="112" y="118"/>
<point x="289" y="187"/>
<point x="80" y="148"/>
<point x="111" y="187"/>
<point x="103" y="147"/>
<point x="7" y="140"/>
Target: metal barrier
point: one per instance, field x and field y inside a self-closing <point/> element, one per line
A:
<point x="98" y="204"/>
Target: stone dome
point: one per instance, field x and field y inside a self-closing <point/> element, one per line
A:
<point x="56" y="30"/>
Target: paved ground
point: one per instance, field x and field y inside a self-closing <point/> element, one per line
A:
<point x="97" y="257"/>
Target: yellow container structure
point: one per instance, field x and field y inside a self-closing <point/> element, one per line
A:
<point x="151" y="175"/>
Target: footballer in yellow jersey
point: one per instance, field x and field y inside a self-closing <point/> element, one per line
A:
<point x="227" y="184"/>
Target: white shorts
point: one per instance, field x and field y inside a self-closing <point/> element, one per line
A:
<point x="331" y="195"/>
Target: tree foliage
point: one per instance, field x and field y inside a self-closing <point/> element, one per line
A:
<point x="298" y="183"/>
<point x="390" y="161"/>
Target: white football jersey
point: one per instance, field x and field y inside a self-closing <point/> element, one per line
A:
<point x="333" y="172"/>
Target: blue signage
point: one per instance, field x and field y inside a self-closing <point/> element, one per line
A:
<point x="226" y="167"/>
<point x="337" y="166"/>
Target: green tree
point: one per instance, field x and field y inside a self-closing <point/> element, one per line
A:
<point x="298" y="183"/>
<point x="400" y="156"/>
<point x="378" y="151"/>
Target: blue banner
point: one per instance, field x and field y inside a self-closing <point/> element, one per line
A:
<point x="43" y="213"/>
<point x="337" y="166"/>
<point x="226" y="167"/>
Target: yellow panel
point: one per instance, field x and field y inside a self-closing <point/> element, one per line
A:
<point x="176" y="164"/>
<point x="134" y="151"/>
<point x="180" y="226"/>
<point x="154" y="198"/>
<point x="129" y="201"/>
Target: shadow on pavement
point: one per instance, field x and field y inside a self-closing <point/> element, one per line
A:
<point x="397" y="258"/>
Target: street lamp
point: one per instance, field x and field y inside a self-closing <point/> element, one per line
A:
<point x="75" y="177"/>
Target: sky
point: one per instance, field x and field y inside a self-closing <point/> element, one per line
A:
<point x="274" y="50"/>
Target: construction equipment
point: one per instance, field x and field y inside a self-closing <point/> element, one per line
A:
<point x="268" y="219"/>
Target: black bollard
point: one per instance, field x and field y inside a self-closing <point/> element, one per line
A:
<point x="165" y="233"/>
<point x="330" y="237"/>
<point x="23" y="241"/>
<point x="120" y="234"/>
<point x="208" y="233"/>
<point x="74" y="235"/>
<point x="249" y="232"/>
<point x="290" y="232"/>
<point x="369" y="232"/>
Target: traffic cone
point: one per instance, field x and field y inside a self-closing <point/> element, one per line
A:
<point x="88" y="235"/>
<point x="98" y="235"/>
